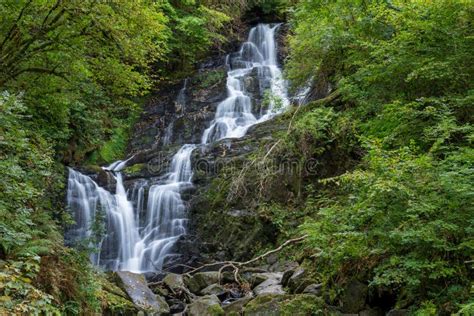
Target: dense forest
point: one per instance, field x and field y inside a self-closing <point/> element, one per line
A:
<point x="382" y="198"/>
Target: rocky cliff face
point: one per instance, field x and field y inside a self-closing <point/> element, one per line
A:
<point x="177" y="114"/>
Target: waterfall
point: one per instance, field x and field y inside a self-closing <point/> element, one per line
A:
<point x="234" y="115"/>
<point x="143" y="224"/>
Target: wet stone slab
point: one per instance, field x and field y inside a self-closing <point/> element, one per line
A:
<point x="136" y="287"/>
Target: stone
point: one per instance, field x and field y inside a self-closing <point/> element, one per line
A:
<point x="137" y="289"/>
<point x="174" y="281"/>
<point x="236" y="307"/>
<point x="299" y="280"/>
<point x="161" y="291"/>
<point x="354" y="297"/>
<point x="314" y="289"/>
<point x="277" y="304"/>
<point x="258" y="278"/>
<point x="208" y="305"/>
<point x="176" y="306"/>
<point x="286" y="276"/>
<point x="201" y="280"/>
<point x="215" y="289"/>
<point x="264" y="305"/>
<point x="272" y="285"/>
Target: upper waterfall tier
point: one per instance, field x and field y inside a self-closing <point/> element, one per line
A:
<point x="234" y="115"/>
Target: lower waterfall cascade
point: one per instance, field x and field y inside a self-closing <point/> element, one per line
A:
<point x="143" y="222"/>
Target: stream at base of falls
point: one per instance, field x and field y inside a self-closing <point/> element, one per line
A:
<point x="142" y="224"/>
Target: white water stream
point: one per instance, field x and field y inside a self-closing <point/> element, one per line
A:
<point x="142" y="225"/>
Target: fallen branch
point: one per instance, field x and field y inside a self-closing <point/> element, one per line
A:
<point x="266" y="254"/>
<point x="236" y="265"/>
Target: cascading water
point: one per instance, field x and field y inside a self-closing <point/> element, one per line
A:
<point x="142" y="225"/>
<point x="132" y="242"/>
<point x="234" y="115"/>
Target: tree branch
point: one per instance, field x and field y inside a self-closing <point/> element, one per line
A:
<point x="237" y="265"/>
<point x="15" y="24"/>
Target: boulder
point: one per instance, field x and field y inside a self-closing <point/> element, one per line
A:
<point x="201" y="280"/>
<point x="258" y="278"/>
<point x="174" y="281"/>
<point x="277" y="304"/>
<point x="137" y="289"/>
<point x="286" y="276"/>
<point x="272" y="285"/>
<point x="296" y="277"/>
<point x="215" y="289"/>
<point x="236" y="307"/>
<point x="299" y="280"/>
<point x="265" y="304"/>
<point x="208" y="305"/>
<point x="354" y="297"/>
<point x="314" y="289"/>
<point x="176" y="306"/>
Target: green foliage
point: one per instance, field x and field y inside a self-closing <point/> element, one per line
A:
<point x="75" y="72"/>
<point x="113" y="149"/>
<point x="402" y="220"/>
<point x="277" y="8"/>
<point x="406" y="221"/>
<point x="196" y="28"/>
<point x="210" y="78"/>
<point x="302" y="304"/>
<point x="72" y="58"/>
<point x="271" y="101"/>
<point x="17" y="293"/>
<point x="25" y="175"/>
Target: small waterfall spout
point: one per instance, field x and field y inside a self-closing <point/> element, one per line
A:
<point x="143" y="224"/>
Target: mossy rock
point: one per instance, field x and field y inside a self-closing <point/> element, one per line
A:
<point x="208" y="305"/>
<point x="114" y="300"/>
<point x="201" y="280"/>
<point x="134" y="169"/>
<point x="282" y="304"/>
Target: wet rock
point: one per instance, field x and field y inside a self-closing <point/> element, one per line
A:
<point x="106" y="180"/>
<point x="201" y="280"/>
<point x="236" y="307"/>
<point x="176" y="306"/>
<point x="137" y="289"/>
<point x="270" y="286"/>
<point x="299" y="280"/>
<point x="162" y="291"/>
<point x="354" y="297"/>
<point x="174" y="281"/>
<point x="314" y="289"/>
<point x="215" y="289"/>
<point x="288" y="273"/>
<point x="208" y="305"/>
<point x="258" y="278"/>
